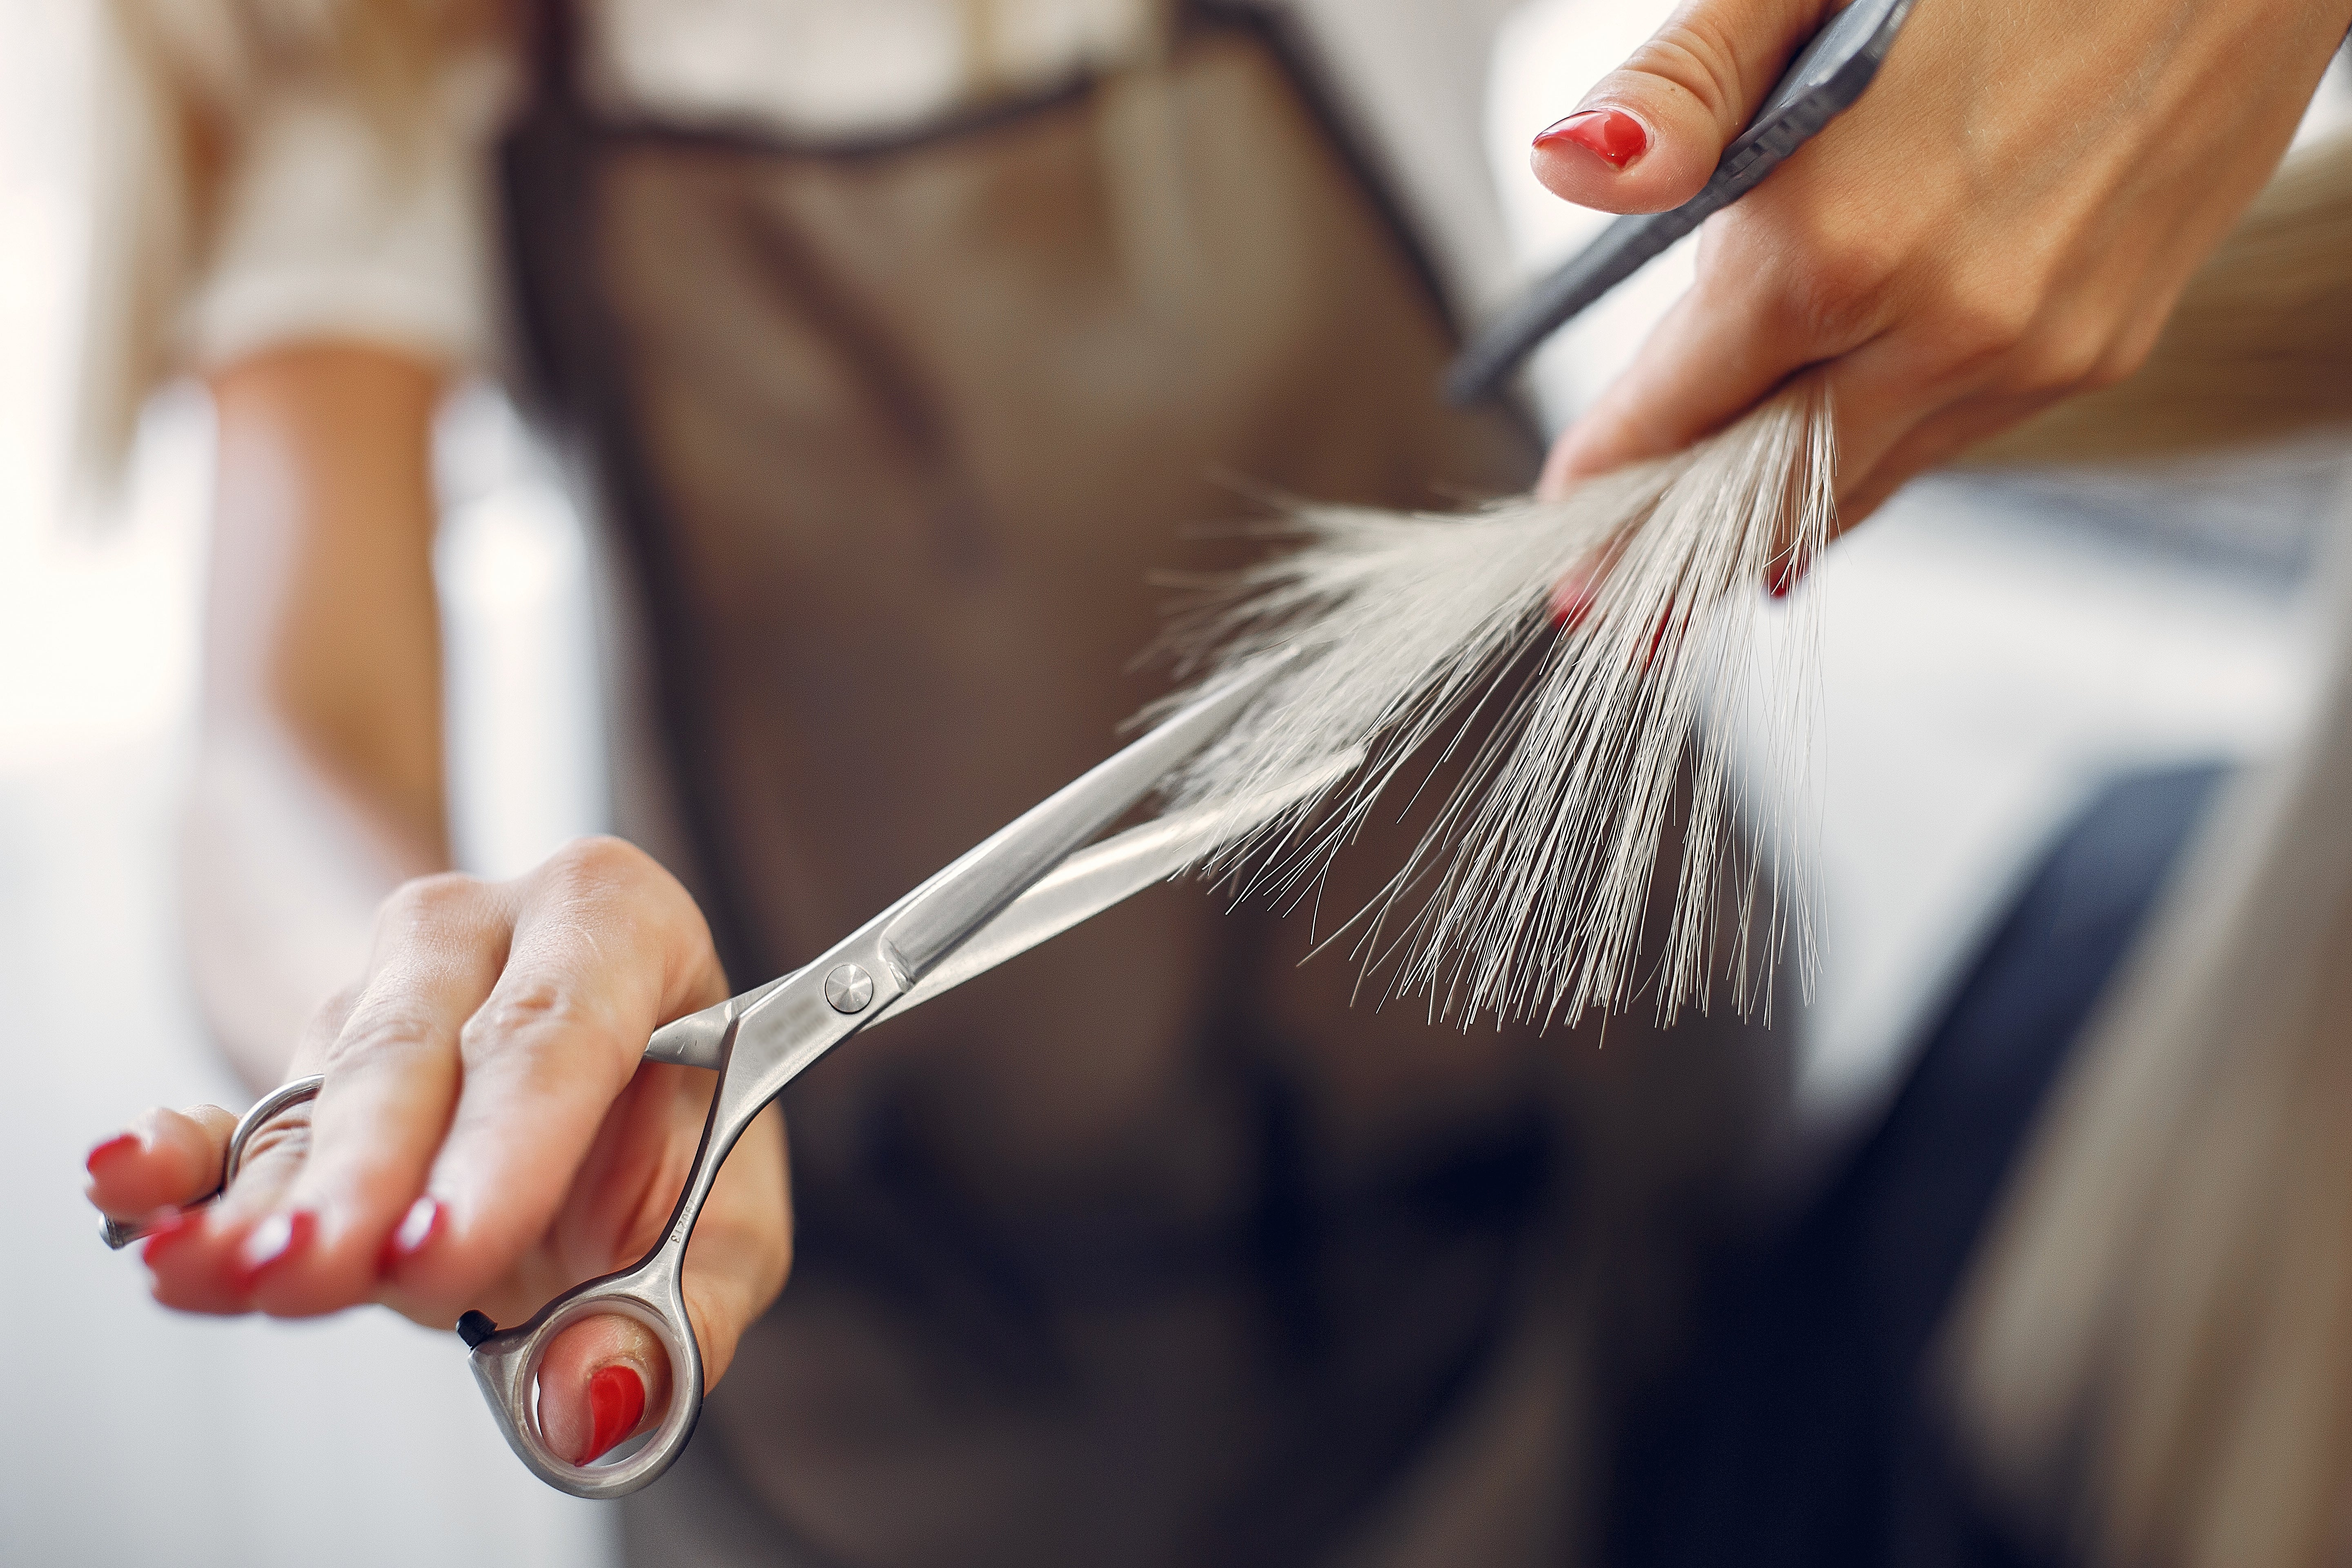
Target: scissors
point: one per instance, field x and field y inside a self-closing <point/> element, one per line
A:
<point x="1027" y="882"/>
<point x="1827" y="78"/>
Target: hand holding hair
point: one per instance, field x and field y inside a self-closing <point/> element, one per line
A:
<point x="2004" y="219"/>
<point x="2007" y="217"/>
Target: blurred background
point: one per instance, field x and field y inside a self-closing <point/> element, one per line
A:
<point x="1993" y="651"/>
<point x="141" y="1437"/>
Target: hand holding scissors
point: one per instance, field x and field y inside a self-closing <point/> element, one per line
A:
<point x="1015" y="890"/>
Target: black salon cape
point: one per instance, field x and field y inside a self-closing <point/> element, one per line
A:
<point x="1804" y="1429"/>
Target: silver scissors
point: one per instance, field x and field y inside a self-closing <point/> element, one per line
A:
<point x="1029" y="882"/>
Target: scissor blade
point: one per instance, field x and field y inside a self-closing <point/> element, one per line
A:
<point x="968" y="894"/>
<point x="1094" y="879"/>
<point x="1074" y="892"/>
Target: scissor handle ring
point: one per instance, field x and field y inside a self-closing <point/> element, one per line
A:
<point x="292" y="1092"/>
<point x="506" y="1365"/>
<point x="119" y="1234"/>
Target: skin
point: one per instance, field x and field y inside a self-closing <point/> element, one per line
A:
<point x="487" y="1054"/>
<point x="2006" y="219"/>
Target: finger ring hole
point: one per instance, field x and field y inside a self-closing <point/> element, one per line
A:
<point x="612" y="1374"/>
<point x="256" y="1122"/>
<point x="551" y="1360"/>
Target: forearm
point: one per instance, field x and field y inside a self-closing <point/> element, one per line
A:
<point x="280" y="875"/>
<point x="318" y="786"/>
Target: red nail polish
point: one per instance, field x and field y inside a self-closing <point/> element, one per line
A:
<point x="416" y="1228"/>
<point x="1571" y="602"/>
<point x="617" y="1402"/>
<point x="165" y="1226"/>
<point x="272" y="1242"/>
<point x="1611" y="135"/>
<point x="120" y="1144"/>
<point x="1786" y="574"/>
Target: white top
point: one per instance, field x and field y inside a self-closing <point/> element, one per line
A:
<point x="328" y="232"/>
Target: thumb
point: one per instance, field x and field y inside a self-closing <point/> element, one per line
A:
<point x="1650" y="132"/>
<point x="606" y="1377"/>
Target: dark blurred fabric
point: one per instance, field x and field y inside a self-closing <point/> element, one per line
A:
<point x="1803" y="1428"/>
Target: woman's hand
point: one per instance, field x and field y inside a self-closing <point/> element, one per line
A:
<point x="487" y="1137"/>
<point x="2005" y="217"/>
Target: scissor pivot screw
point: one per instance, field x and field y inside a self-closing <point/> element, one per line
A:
<point x="848" y="989"/>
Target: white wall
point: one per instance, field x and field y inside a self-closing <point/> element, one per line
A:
<point x="134" y="1437"/>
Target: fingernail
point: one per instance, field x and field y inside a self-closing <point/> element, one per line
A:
<point x="1786" y="574"/>
<point x="120" y="1144"/>
<point x="272" y="1242"/>
<point x="1611" y="135"/>
<point x="616" y="1402"/>
<point x="416" y="1227"/>
<point x="165" y="1226"/>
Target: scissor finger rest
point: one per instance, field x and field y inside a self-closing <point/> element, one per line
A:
<point x="506" y="1365"/>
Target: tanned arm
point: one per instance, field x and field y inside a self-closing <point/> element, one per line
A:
<point x="318" y="783"/>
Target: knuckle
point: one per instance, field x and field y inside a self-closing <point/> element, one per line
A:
<point x="2064" y="363"/>
<point x="533" y="1008"/>
<point x="1825" y="291"/>
<point x="596" y="863"/>
<point x="2077" y="353"/>
<point x="329" y="1020"/>
<point x="600" y="854"/>
<point x="605" y="882"/>
<point x="1979" y="326"/>
<point x="385" y="1022"/>
<point x="2122" y="358"/>
<point x="429" y="901"/>
<point x="1697" y="54"/>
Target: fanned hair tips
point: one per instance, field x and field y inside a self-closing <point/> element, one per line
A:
<point x="1562" y="659"/>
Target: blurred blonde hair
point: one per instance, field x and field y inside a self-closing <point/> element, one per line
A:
<point x="2259" y="348"/>
<point x="2154" y="1356"/>
<point x="176" y="81"/>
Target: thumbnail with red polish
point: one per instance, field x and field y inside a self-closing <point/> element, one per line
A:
<point x="1610" y="136"/>
<point x="617" y="1402"/>
<point x="273" y="1241"/>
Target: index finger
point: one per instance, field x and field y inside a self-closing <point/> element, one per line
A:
<point x="301" y="1230"/>
<point x="605" y="946"/>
